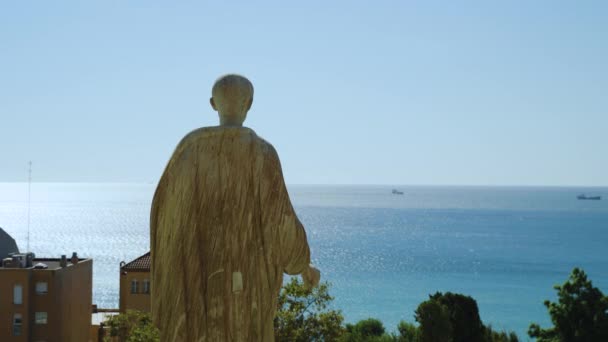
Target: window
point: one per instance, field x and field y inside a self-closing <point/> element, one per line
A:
<point x="134" y="286"/>
<point x="17" y="325"/>
<point x="41" y="317"/>
<point x="18" y="294"/>
<point x="146" y="286"/>
<point x="42" y="287"/>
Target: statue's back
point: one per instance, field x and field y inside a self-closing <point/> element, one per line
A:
<point x="221" y="225"/>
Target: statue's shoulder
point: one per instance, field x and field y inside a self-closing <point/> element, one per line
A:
<point x="265" y="146"/>
<point x="207" y="134"/>
<point x="196" y="135"/>
<point x="200" y="135"/>
<point x="214" y="134"/>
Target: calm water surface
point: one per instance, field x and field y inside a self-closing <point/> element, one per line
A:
<point x="383" y="253"/>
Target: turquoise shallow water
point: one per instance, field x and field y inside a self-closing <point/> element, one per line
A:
<point x="383" y="253"/>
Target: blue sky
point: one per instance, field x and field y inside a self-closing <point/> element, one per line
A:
<point x="348" y="92"/>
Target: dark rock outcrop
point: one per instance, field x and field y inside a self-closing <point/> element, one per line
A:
<point x="7" y="244"/>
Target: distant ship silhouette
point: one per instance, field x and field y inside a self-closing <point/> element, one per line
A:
<point x="585" y="197"/>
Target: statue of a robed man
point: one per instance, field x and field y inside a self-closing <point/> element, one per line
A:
<point x="223" y="230"/>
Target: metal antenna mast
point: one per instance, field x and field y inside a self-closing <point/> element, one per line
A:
<point x="29" y="196"/>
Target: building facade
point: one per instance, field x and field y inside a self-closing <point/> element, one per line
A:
<point x="44" y="299"/>
<point x="135" y="284"/>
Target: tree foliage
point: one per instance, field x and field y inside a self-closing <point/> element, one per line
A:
<point x="132" y="326"/>
<point x="367" y="327"/>
<point x="366" y="330"/>
<point x="408" y="332"/>
<point x="463" y="315"/>
<point x="304" y="315"/>
<point x="453" y="317"/>
<point x="499" y="336"/>
<point x="580" y="314"/>
<point x="434" y="320"/>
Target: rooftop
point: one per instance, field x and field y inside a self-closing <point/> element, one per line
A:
<point x="140" y="264"/>
<point x="51" y="264"/>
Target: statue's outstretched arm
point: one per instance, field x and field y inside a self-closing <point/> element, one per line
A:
<point x="294" y="244"/>
<point x="289" y="236"/>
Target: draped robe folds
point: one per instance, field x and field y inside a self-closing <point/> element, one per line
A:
<point x="223" y="232"/>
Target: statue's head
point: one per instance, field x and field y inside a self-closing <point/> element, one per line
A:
<point x="231" y="97"/>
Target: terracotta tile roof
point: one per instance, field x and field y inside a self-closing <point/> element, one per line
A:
<point x="140" y="264"/>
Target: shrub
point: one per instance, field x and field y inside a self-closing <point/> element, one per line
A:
<point x="494" y="336"/>
<point x="367" y="330"/>
<point x="464" y="316"/>
<point x="408" y="332"/>
<point x="303" y="314"/>
<point x="434" y="319"/>
<point x="132" y="326"/>
<point x="581" y="313"/>
<point x="452" y="317"/>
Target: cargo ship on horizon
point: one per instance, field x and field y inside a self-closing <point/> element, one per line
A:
<point x="585" y="197"/>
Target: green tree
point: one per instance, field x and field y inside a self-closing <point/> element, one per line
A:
<point x="132" y="326"/>
<point x="434" y="319"/>
<point x="367" y="330"/>
<point x="581" y="313"/>
<point x="495" y="336"/>
<point x="304" y="315"/>
<point x="454" y="317"/>
<point x="408" y="332"/>
<point x="464" y="316"/>
<point x="369" y="327"/>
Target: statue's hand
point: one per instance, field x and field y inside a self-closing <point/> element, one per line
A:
<point x="311" y="277"/>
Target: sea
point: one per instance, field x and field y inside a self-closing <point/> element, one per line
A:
<point x="382" y="253"/>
